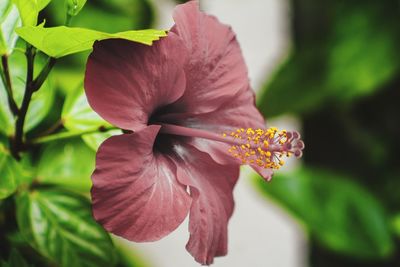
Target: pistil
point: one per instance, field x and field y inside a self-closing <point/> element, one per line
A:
<point x="263" y="147"/>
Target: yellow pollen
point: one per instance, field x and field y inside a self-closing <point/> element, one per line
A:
<point x="250" y="131"/>
<point x="266" y="144"/>
<point x="264" y="147"/>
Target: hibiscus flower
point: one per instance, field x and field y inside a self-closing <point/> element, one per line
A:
<point x="190" y="117"/>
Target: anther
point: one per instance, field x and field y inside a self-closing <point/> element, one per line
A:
<point x="264" y="147"/>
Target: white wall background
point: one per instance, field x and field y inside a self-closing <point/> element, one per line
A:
<point x="260" y="234"/>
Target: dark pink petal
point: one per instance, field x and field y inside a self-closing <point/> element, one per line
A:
<point x="126" y="82"/>
<point x="216" y="70"/>
<point x="216" y="81"/>
<point x="135" y="193"/>
<point x="211" y="186"/>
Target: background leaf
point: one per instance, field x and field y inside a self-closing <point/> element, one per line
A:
<point x="60" y="226"/>
<point x="11" y="173"/>
<point x="15" y="260"/>
<point x="9" y="20"/>
<point x="68" y="163"/>
<point x="127" y="256"/>
<point x="75" y="6"/>
<point x="341" y="50"/>
<point x="117" y="15"/>
<point x="339" y="213"/>
<point x="29" y="10"/>
<point x="77" y="115"/>
<point x="364" y="38"/>
<point x="61" y="41"/>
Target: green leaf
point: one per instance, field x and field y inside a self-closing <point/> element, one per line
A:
<point x="295" y="87"/>
<point x="363" y="41"/>
<point x="41" y="100"/>
<point x="127" y="256"/>
<point x="96" y="139"/>
<point x="68" y="163"/>
<point x="9" y="20"/>
<point x="77" y="115"/>
<point x="15" y="260"/>
<point x="339" y="213"/>
<point x="350" y="55"/>
<point x="29" y="10"/>
<point x="12" y="173"/>
<point x="116" y="15"/>
<point x="42" y="3"/>
<point x="59" y="225"/>
<point x="61" y="41"/>
<point x="75" y="6"/>
<point x="396" y="225"/>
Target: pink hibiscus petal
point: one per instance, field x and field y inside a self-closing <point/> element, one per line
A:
<point x="216" y="70"/>
<point x="135" y="193"/>
<point x="126" y="82"/>
<point x="211" y="186"/>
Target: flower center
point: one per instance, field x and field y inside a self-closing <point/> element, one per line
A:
<point x="263" y="147"/>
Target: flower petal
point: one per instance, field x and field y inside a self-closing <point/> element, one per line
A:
<point x="216" y="70"/>
<point x="216" y="81"/>
<point x="126" y="82"/>
<point x="211" y="186"/>
<point x="135" y="193"/>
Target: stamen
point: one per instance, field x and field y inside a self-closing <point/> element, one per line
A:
<point x="266" y="148"/>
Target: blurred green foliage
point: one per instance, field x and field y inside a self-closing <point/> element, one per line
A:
<point x="338" y="212"/>
<point x="342" y="50"/>
<point x="342" y="79"/>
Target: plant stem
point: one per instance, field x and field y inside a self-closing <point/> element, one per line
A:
<point x="57" y="126"/>
<point x="68" y="20"/>
<point x="39" y="80"/>
<point x="19" y="124"/>
<point x="32" y="85"/>
<point x="8" y="85"/>
<point x="65" y="135"/>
